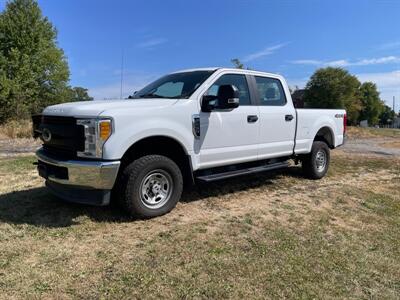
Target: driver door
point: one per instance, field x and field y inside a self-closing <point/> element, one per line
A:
<point x="229" y="136"/>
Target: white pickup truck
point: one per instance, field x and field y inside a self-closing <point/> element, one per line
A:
<point x="189" y="126"/>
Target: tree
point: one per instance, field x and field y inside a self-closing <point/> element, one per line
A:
<point x="387" y="115"/>
<point x="33" y="70"/>
<point x="372" y="106"/>
<point x="80" y="94"/>
<point x="334" y="88"/>
<point x="237" y="63"/>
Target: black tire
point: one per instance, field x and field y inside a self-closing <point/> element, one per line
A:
<point x="312" y="163"/>
<point x="141" y="171"/>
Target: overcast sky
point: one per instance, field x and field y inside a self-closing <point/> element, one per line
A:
<point x="292" y="38"/>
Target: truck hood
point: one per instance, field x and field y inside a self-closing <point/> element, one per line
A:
<point x="95" y="108"/>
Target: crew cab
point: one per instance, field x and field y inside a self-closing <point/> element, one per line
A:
<point x="197" y="125"/>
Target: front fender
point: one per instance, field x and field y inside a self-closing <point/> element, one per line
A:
<point x="125" y="136"/>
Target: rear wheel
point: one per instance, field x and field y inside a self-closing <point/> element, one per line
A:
<point x="316" y="164"/>
<point x="150" y="186"/>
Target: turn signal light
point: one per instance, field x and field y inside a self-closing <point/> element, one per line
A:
<point x="104" y="129"/>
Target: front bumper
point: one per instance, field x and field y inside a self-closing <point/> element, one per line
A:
<point x="80" y="181"/>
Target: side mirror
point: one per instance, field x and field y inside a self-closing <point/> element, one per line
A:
<point x="227" y="98"/>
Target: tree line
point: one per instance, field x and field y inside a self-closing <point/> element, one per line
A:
<point x="336" y="88"/>
<point x="34" y="71"/>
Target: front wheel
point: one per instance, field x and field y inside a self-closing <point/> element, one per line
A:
<point x="316" y="164"/>
<point x="150" y="186"/>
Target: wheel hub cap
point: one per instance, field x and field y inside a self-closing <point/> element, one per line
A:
<point x="156" y="189"/>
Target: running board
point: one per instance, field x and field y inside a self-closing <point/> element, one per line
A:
<point x="245" y="171"/>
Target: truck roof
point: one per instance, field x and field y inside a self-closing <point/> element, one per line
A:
<point x="244" y="71"/>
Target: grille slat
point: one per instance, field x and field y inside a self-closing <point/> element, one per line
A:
<point x="66" y="136"/>
<point x="58" y="120"/>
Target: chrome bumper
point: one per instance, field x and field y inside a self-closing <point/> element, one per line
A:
<point x="99" y="175"/>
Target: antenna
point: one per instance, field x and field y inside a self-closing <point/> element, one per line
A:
<point x="122" y="72"/>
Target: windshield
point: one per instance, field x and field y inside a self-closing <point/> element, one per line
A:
<point x="174" y="86"/>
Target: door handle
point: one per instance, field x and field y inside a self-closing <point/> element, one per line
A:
<point x="289" y="118"/>
<point x="252" y="119"/>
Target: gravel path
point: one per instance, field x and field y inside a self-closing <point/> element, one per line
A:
<point x="373" y="146"/>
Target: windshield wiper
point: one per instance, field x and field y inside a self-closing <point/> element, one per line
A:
<point x="150" y="95"/>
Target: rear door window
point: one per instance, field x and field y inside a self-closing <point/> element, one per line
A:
<point x="270" y="91"/>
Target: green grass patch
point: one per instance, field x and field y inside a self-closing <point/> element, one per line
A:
<point x="384" y="205"/>
<point x="341" y="165"/>
<point x="17" y="165"/>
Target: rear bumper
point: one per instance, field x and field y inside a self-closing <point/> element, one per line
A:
<point x="79" y="181"/>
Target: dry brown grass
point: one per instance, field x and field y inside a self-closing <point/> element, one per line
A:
<point x="359" y="132"/>
<point x="16" y="129"/>
<point x="264" y="236"/>
<point x="392" y="144"/>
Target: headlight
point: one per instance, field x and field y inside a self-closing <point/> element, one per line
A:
<point x="97" y="132"/>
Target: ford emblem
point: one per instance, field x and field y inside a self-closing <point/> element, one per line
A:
<point x="46" y="135"/>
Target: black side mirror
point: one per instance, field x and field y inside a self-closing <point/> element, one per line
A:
<point x="227" y="98"/>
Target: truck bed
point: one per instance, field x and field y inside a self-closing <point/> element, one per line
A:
<point x="310" y="121"/>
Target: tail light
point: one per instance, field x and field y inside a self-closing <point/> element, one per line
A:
<point x="344" y="123"/>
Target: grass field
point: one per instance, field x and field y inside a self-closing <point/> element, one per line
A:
<point x="266" y="236"/>
<point x="370" y="132"/>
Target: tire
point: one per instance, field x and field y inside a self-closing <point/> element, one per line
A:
<point x="316" y="164"/>
<point x="150" y="186"/>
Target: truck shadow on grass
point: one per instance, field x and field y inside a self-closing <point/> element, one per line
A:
<point x="38" y="207"/>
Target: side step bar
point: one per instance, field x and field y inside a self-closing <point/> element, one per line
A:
<point x="245" y="171"/>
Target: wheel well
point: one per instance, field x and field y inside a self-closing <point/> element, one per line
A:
<point x="160" y="145"/>
<point x="325" y="135"/>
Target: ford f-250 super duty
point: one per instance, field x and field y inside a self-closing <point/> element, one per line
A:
<point x="192" y="125"/>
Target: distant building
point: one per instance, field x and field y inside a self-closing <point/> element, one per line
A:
<point x="298" y="98"/>
<point x="396" y="122"/>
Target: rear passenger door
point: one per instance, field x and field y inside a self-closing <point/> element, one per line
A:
<point x="277" y="118"/>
